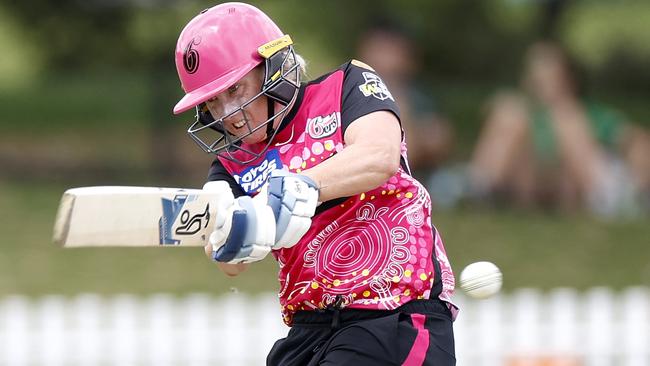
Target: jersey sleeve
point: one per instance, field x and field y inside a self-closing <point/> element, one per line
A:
<point x="363" y="92"/>
<point x="218" y="172"/>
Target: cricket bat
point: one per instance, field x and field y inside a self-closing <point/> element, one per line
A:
<point x="136" y="216"/>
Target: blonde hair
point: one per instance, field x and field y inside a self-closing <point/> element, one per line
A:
<point x="291" y="62"/>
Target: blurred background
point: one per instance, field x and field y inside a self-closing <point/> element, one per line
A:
<point x="528" y="121"/>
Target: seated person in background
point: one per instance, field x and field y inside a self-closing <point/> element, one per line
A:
<point x="551" y="147"/>
<point x="391" y="52"/>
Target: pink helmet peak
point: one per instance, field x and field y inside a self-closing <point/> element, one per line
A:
<point x="218" y="47"/>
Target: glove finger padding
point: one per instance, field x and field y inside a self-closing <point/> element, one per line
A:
<point x="249" y="233"/>
<point x="223" y="217"/>
<point x="293" y="198"/>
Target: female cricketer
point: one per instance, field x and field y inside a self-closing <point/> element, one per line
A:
<point x="320" y="179"/>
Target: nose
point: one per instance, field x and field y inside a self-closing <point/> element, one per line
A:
<point x="232" y="117"/>
<point x="221" y="110"/>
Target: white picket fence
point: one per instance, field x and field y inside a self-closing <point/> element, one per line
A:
<point x="527" y="327"/>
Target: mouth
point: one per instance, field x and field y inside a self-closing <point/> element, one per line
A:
<point x="236" y="127"/>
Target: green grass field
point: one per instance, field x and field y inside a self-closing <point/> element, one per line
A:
<point x="532" y="249"/>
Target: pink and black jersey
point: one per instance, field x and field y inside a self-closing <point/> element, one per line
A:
<point x="376" y="250"/>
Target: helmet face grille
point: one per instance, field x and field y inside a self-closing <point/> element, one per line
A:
<point x="281" y="84"/>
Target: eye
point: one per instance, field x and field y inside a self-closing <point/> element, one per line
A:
<point x="233" y="89"/>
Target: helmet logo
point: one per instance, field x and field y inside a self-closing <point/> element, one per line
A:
<point x="191" y="56"/>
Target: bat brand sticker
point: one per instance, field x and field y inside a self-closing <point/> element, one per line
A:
<point x="375" y="87"/>
<point x="190" y="224"/>
<point x="323" y="126"/>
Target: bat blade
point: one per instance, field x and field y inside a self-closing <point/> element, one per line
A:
<point x="135" y="216"/>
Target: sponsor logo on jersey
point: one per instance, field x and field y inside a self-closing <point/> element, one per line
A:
<point x="375" y="87"/>
<point x="253" y="178"/>
<point x="323" y="126"/>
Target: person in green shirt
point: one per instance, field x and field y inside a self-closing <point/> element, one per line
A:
<point x="549" y="146"/>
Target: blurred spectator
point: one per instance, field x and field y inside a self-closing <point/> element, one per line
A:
<point x="550" y="146"/>
<point x="395" y="57"/>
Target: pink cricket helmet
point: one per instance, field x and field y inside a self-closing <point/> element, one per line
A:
<point x="218" y="47"/>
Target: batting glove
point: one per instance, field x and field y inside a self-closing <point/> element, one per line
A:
<point x="244" y="229"/>
<point x="293" y="199"/>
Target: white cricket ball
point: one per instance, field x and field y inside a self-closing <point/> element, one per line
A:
<point x="481" y="280"/>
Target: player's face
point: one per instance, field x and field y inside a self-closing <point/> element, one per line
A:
<point x="244" y="121"/>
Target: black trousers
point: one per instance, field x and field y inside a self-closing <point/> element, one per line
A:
<point x="418" y="333"/>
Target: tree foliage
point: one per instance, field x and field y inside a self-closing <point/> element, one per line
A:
<point x="461" y="40"/>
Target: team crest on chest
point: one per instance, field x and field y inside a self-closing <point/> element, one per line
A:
<point x="323" y="126"/>
<point x="375" y="86"/>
